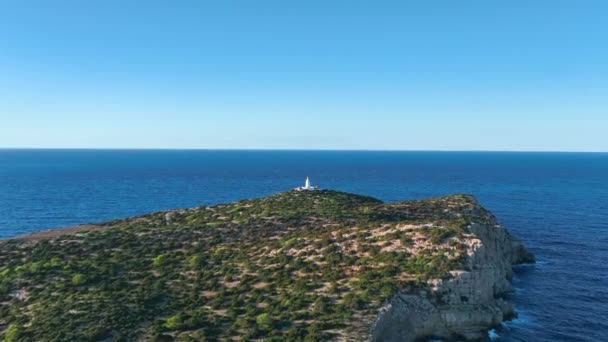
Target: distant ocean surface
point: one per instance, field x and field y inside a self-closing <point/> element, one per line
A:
<point x="557" y="203"/>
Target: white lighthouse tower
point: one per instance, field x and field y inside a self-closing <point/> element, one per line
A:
<point x="307" y="185"/>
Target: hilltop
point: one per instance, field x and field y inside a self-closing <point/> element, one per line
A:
<point x="298" y="265"/>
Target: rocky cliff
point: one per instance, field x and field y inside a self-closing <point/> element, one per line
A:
<point x="465" y="305"/>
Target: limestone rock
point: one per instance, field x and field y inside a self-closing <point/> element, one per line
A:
<point x="466" y="305"/>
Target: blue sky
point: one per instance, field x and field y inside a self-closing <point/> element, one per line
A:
<point x="422" y="75"/>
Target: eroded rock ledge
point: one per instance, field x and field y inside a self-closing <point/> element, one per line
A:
<point x="465" y="306"/>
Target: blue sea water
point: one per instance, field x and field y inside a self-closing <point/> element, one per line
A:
<point x="557" y="203"/>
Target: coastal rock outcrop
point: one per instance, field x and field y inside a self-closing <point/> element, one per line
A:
<point x="466" y="305"/>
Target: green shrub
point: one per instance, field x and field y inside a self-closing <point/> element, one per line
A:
<point x="78" y="279"/>
<point x="264" y="321"/>
<point x="160" y="261"/>
<point x="12" y="333"/>
<point x="195" y="262"/>
<point x="174" y="322"/>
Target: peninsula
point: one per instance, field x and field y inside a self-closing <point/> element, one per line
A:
<point x="299" y="265"/>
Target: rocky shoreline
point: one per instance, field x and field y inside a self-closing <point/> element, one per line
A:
<point x="466" y="306"/>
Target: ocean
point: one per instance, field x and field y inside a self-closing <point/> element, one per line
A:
<point x="557" y="203"/>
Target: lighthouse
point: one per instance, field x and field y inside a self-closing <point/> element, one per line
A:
<point x="307" y="185"/>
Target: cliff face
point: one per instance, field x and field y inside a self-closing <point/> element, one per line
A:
<point x="466" y="305"/>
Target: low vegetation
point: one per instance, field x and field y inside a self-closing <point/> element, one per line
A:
<point x="299" y="265"/>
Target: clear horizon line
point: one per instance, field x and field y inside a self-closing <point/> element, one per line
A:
<point x="290" y="149"/>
